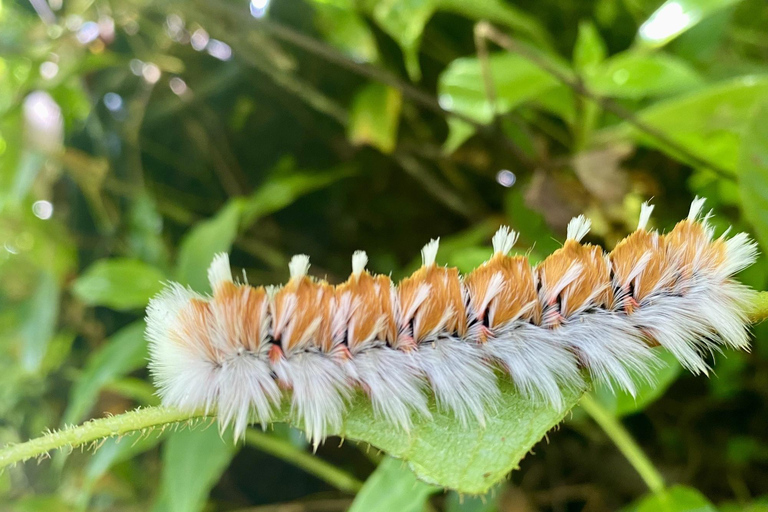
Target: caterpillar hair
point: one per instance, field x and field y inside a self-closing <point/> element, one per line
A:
<point x="580" y="310"/>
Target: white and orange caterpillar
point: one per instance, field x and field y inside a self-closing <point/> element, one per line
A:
<point x="436" y="331"/>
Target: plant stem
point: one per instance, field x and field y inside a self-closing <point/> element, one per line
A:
<point x="759" y="310"/>
<point x="624" y="442"/>
<point x="94" y="430"/>
<point x="311" y="464"/>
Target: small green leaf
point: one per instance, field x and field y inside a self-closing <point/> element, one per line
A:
<point x="675" y="17"/>
<point x="281" y="191"/>
<point x="38" y="322"/>
<point x="469" y="460"/>
<point x="675" y="499"/>
<point x="709" y="122"/>
<point x="392" y="487"/>
<point x="193" y="461"/>
<point x="346" y="30"/>
<point x="404" y="21"/>
<point x="589" y="50"/>
<point x="118" y="283"/>
<point x="461" y="89"/>
<point x="124" y="352"/>
<point x="621" y="403"/>
<point x="374" y="117"/>
<point x="753" y="173"/>
<point x="635" y="75"/>
<point x="203" y="241"/>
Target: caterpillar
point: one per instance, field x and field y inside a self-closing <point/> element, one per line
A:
<point x="580" y="313"/>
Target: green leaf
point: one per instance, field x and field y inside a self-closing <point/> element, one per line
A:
<point x="589" y="50"/>
<point x="38" y="322"/>
<point x="635" y="75"/>
<point x="342" y="27"/>
<point x="675" y="499"/>
<point x="281" y="191"/>
<point x="621" y="403"/>
<point x="709" y="122"/>
<point x="193" y="461"/>
<point x="203" y="241"/>
<point x="392" y="487"/>
<point x="118" y="283"/>
<point x="675" y="17"/>
<point x="461" y="89"/>
<point x="124" y="352"/>
<point x="753" y="173"/>
<point x="374" y="117"/>
<point x="404" y="21"/>
<point x="470" y="460"/>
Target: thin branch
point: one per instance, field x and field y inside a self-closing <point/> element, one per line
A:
<point x="488" y="31"/>
<point x="284" y="450"/>
<point x="624" y="442"/>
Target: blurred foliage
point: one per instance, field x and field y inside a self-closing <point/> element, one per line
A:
<point x="139" y="138"/>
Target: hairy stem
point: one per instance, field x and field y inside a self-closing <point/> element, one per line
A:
<point x="759" y="310"/>
<point x="624" y="442"/>
<point x="314" y="465"/>
<point x="95" y="430"/>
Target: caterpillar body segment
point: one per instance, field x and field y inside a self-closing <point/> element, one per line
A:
<point x="246" y="349"/>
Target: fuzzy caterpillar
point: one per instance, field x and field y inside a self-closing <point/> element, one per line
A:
<point x="439" y="332"/>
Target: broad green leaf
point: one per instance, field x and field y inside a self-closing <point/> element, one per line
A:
<point x="678" y="498"/>
<point x="374" y="117"/>
<point x="281" y="191"/>
<point x="124" y="352"/>
<point x="193" y="461"/>
<point x="118" y="283"/>
<point x="38" y="322"/>
<point x="392" y="487"/>
<point x="675" y="17"/>
<point x="709" y="122"/>
<point x="621" y="403"/>
<point x="470" y="460"/>
<point x="753" y="173"/>
<point x="404" y="21"/>
<point x="503" y="13"/>
<point x="345" y="29"/>
<point x="461" y="89"/>
<point x="636" y="75"/>
<point x="589" y="50"/>
<point x="203" y="241"/>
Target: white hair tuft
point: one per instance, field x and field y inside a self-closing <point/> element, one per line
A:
<point x="578" y="228"/>
<point x="429" y="252"/>
<point x="504" y="239"/>
<point x="299" y="266"/>
<point x="645" y="215"/>
<point x="359" y="261"/>
<point x="219" y="271"/>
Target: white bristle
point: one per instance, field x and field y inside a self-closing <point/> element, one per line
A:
<point x="504" y="239"/>
<point x="359" y="261"/>
<point x="429" y="252"/>
<point x="645" y="215"/>
<point x="219" y="271"/>
<point x="299" y="266"/>
<point x="578" y="228"/>
<point x="696" y="206"/>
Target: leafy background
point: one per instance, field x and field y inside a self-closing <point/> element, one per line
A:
<point x="139" y="138"/>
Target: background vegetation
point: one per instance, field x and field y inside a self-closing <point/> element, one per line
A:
<point x="139" y="138"/>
